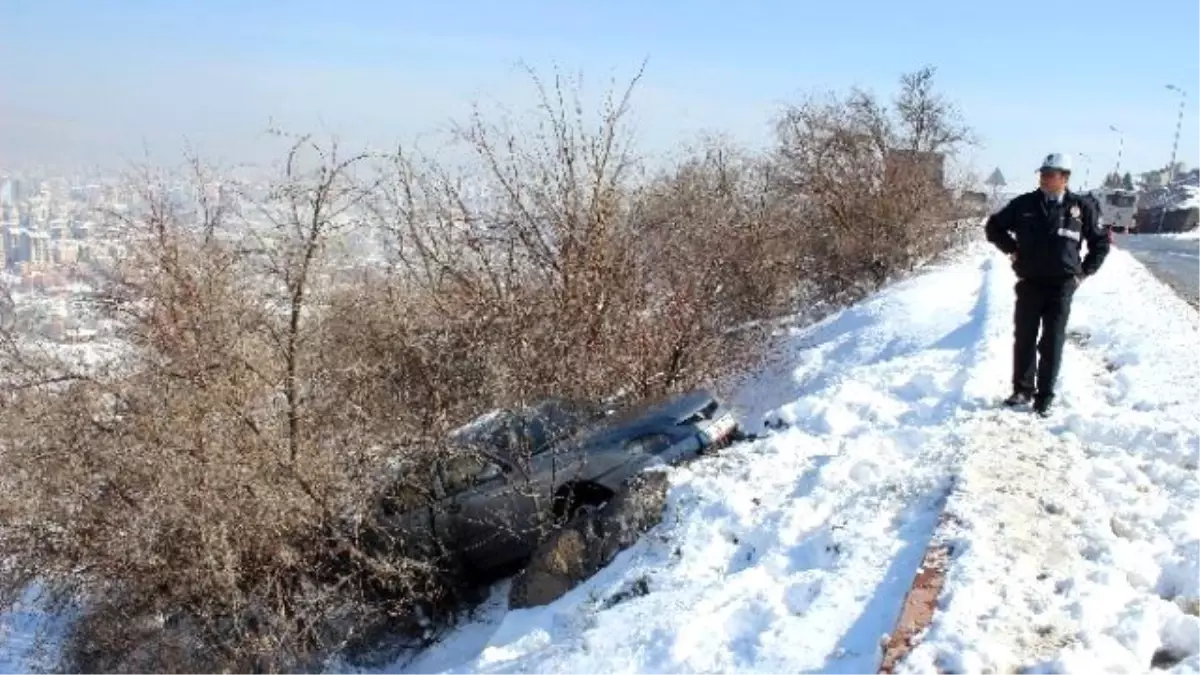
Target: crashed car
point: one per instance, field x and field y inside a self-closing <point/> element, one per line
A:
<point x="512" y="476"/>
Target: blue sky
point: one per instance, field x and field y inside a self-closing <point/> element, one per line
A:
<point x="94" y="80"/>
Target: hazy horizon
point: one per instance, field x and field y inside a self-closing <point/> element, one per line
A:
<point x="92" y="83"/>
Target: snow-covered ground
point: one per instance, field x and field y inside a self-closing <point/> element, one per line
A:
<point x="1079" y="540"/>
<point x="1075" y="540"/>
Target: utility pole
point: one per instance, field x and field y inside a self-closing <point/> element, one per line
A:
<point x="1087" y="170"/>
<point x="1178" y="128"/>
<point x="1120" y="146"/>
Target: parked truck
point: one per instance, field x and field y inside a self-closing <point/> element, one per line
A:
<point x="1117" y="209"/>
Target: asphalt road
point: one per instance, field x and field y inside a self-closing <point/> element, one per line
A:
<point x="1176" y="262"/>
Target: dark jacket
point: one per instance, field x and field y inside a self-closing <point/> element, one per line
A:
<point x="1047" y="238"/>
<point x="1095" y="202"/>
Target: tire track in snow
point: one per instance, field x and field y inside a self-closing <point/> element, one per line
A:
<point x="902" y="605"/>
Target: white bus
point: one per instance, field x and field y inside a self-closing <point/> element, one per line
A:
<point x="1117" y="207"/>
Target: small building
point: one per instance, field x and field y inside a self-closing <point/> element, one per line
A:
<point x="933" y="164"/>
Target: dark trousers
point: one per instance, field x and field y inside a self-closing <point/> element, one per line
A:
<point x="1045" y="305"/>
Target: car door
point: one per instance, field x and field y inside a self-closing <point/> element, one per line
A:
<point x="489" y="517"/>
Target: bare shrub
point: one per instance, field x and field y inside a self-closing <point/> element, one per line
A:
<point x="717" y="217"/>
<point x="547" y="262"/>
<point x="869" y="180"/>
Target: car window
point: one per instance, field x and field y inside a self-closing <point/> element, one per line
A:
<point x="481" y="429"/>
<point x="497" y="433"/>
<point x="554" y="419"/>
<point x="517" y="437"/>
<point x="410" y="485"/>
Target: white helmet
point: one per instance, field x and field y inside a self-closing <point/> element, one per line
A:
<point x="1056" y="161"/>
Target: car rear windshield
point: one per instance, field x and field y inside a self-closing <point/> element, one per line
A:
<point x="530" y="431"/>
<point x="554" y="419"/>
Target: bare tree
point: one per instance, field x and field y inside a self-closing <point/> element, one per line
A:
<point x="928" y="121"/>
<point x="871" y="181"/>
<point x="311" y="205"/>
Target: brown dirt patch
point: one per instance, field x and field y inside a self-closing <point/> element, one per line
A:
<point x="919" y="606"/>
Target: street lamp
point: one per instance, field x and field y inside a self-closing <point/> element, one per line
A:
<point x="1120" y="146"/>
<point x="1178" y="127"/>
<point x="1087" y="170"/>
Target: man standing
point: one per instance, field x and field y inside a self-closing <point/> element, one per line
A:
<point x="1042" y="232"/>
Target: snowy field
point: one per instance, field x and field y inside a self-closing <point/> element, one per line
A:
<point x="1075" y="541"/>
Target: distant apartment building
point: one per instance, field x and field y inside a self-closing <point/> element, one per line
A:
<point x="7" y="244"/>
<point x="10" y="191"/>
<point x="69" y="252"/>
<point x="57" y="243"/>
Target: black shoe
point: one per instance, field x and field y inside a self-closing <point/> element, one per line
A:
<point x="1018" y="398"/>
<point x="1041" y="406"/>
